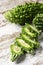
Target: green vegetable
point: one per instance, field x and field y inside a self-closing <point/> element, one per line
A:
<point x="28" y="32"/>
<point x="26" y="47"/>
<point x="24" y="13"/>
<point x="31" y="42"/>
<point x="38" y="22"/>
<point x="16" y="51"/>
<point x="26" y="42"/>
<point x="33" y="29"/>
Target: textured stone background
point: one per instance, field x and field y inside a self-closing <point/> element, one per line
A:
<point x="8" y="32"/>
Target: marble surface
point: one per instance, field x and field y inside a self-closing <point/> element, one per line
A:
<point x="8" y="33"/>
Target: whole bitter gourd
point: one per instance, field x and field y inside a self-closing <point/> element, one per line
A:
<point x="24" y="13"/>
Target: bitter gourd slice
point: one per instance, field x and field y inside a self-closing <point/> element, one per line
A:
<point x="33" y="42"/>
<point x="26" y="47"/>
<point x="25" y="30"/>
<point x="32" y="28"/>
<point x="38" y="22"/>
<point x="15" y="51"/>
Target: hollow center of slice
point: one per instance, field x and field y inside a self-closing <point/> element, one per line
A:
<point x="17" y="49"/>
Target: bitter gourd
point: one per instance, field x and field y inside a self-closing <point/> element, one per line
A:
<point x="30" y="41"/>
<point x="25" y="46"/>
<point x="26" y="42"/>
<point x="33" y="29"/>
<point x="16" y="51"/>
<point x="28" y="32"/>
<point x="24" y="13"/>
<point x="38" y="22"/>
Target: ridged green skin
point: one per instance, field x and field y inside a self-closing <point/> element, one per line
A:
<point x="38" y="21"/>
<point x="24" y="13"/>
<point x="26" y="42"/>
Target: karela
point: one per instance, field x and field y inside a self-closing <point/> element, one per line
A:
<point x="26" y="42"/>
<point x="16" y="51"/>
<point x="24" y="13"/>
<point x="38" y="22"/>
<point x="33" y="42"/>
<point x="28" y="32"/>
<point x="32" y="29"/>
<point x="25" y="46"/>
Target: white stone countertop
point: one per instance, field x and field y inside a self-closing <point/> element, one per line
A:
<point x="8" y="33"/>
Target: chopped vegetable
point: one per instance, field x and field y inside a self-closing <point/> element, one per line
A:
<point x="16" y="51"/>
<point x="26" y="31"/>
<point x="38" y="22"/>
<point x="26" y="47"/>
<point x="33" y="29"/>
<point x="31" y="42"/>
<point x="26" y="42"/>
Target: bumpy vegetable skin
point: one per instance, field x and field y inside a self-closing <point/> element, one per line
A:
<point x="24" y="13"/>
